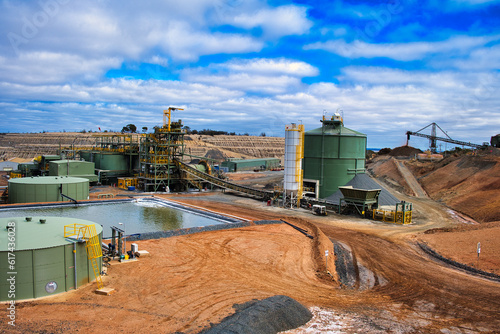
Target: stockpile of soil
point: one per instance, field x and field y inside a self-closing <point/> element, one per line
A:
<point x="404" y="151"/>
<point x="385" y="168"/>
<point x="469" y="184"/>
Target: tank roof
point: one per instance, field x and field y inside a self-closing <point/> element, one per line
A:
<point x="48" y="180"/>
<point x="60" y="162"/>
<point x="339" y="130"/>
<point x="35" y="235"/>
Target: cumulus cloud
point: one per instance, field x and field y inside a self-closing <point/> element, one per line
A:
<point x="268" y="76"/>
<point x="275" y="22"/>
<point x="181" y="42"/>
<point x="51" y="67"/>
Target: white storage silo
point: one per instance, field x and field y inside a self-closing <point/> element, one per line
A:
<point x="294" y="152"/>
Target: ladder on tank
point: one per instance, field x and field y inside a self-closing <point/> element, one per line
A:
<point x="89" y="234"/>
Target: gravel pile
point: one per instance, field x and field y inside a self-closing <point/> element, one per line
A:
<point x="268" y="316"/>
<point x="404" y="151"/>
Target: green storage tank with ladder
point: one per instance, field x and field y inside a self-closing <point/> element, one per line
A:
<point x="42" y="262"/>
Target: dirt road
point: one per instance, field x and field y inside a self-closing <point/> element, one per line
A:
<point x="410" y="179"/>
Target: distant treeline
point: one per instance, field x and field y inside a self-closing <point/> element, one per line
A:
<point x="209" y="132"/>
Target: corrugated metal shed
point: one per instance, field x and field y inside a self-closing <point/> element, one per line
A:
<point x="8" y="165"/>
<point x="251" y="164"/>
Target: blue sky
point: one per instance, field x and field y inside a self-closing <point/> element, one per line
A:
<point x="252" y="66"/>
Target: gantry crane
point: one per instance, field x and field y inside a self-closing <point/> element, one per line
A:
<point x="433" y="138"/>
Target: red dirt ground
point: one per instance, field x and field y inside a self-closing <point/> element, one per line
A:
<point x="460" y="244"/>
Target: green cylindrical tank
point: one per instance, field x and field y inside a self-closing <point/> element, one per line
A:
<point x="87" y="156"/>
<point x="333" y="154"/>
<point x="47" y="189"/>
<point x="111" y="161"/>
<point x="43" y="262"/>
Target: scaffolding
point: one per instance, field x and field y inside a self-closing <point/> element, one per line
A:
<point x="158" y="152"/>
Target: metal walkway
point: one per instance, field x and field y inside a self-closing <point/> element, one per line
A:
<point x="264" y="194"/>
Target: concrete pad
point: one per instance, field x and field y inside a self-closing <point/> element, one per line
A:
<point x="143" y="253"/>
<point x="105" y="291"/>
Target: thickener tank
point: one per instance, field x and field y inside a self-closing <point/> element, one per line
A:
<point x="43" y="262"/>
<point x="47" y="189"/>
<point x="294" y="143"/>
<point x="333" y="155"/>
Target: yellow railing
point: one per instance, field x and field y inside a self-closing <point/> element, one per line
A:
<point x="396" y="217"/>
<point x="93" y="245"/>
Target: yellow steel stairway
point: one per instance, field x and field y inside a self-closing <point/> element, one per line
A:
<point x="93" y="245"/>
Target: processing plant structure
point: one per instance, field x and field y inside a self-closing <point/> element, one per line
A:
<point x="318" y="166"/>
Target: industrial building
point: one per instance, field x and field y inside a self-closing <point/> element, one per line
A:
<point x="245" y="165"/>
<point x="74" y="168"/>
<point x="318" y="163"/>
<point x="46" y="262"/>
<point x="8" y="166"/>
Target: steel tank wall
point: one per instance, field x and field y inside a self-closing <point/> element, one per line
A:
<point x="333" y="156"/>
<point x="111" y="161"/>
<point x="47" y="189"/>
<point x="51" y="259"/>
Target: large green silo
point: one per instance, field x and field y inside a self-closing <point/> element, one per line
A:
<point x="333" y="154"/>
<point x="43" y="262"/>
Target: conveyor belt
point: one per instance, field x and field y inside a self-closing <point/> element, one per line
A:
<point x="264" y="194"/>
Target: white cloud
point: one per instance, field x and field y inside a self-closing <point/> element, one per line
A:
<point x="50" y="67"/>
<point x="248" y="83"/>
<point x="459" y="45"/>
<point x="275" y="22"/>
<point x="181" y="42"/>
<point x="268" y="76"/>
<point x="382" y="111"/>
<point x="273" y="67"/>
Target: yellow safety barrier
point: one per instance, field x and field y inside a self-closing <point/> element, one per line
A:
<point x="392" y="216"/>
<point x="105" y="196"/>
